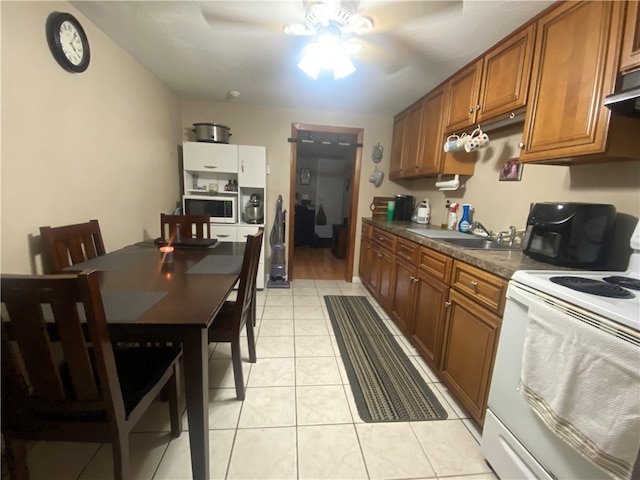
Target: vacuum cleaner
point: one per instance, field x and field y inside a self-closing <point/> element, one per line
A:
<point x="277" y="278"/>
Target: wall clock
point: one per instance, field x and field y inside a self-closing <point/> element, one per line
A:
<point x="68" y="42"/>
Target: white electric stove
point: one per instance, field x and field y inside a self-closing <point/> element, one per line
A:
<point x="515" y="442"/>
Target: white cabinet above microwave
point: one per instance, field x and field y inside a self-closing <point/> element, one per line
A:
<point x="210" y="157"/>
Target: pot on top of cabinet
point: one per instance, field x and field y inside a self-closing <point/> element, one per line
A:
<point x="212" y="132"/>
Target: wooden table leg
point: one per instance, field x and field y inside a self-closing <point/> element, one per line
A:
<point x="196" y="381"/>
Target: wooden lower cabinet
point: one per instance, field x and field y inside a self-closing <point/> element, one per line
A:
<point x="428" y="319"/>
<point x="363" y="267"/>
<point x="381" y="263"/>
<point x="402" y="304"/>
<point x="449" y="309"/>
<point x="468" y="351"/>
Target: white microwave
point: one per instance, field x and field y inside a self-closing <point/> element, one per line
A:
<point x="220" y="209"/>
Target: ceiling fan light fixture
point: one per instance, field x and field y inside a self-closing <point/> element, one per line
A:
<point x="327" y="53"/>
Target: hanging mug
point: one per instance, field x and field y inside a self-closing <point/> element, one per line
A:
<point x="455" y="143"/>
<point x="478" y="139"/>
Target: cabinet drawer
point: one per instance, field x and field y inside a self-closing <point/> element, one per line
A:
<point x="407" y="250"/>
<point x="435" y="264"/>
<point x="243" y="232"/>
<point x="224" y="233"/>
<point x="366" y="231"/>
<point x="210" y="157"/>
<point x="483" y="287"/>
<point x="384" y="239"/>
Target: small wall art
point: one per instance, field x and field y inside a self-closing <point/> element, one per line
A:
<point x="511" y="171"/>
<point x="305" y="176"/>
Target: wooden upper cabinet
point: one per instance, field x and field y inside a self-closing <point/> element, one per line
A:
<point x="630" y="57"/>
<point x="398" y="145"/>
<point x="462" y="98"/>
<point x="505" y="76"/>
<point x="431" y="154"/>
<point x="574" y="68"/>
<point x="413" y="138"/>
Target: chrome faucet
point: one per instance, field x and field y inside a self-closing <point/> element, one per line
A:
<point x="512" y="235"/>
<point x="479" y="226"/>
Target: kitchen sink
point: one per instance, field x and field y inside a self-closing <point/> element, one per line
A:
<point x="478" y="244"/>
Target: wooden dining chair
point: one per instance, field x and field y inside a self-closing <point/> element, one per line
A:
<point x="191" y="226"/>
<point x="62" y="380"/>
<point x="70" y="244"/>
<point x="234" y="315"/>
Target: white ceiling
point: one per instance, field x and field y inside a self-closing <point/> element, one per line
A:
<point x="203" y="50"/>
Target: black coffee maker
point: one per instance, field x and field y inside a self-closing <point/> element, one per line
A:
<point x="404" y="207"/>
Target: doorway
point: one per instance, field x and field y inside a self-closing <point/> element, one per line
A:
<point x="323" y="197"/>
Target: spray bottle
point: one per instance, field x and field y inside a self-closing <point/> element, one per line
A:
<point x="452" y="221"/>
<point x="465" y="222"/>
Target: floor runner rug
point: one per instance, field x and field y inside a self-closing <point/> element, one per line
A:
<point x="385" y="385"/>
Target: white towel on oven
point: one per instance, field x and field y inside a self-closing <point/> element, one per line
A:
<point x="584" y="384"/>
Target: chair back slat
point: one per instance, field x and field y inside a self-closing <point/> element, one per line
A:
<point x="191" y="226"/>
<point x="246" y="289"/>
<point x="71" y="244"/>
<point x="79" y="380"/>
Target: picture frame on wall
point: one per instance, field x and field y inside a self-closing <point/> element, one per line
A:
<point x="511" y="171"/>
<point x="305" y="176"/>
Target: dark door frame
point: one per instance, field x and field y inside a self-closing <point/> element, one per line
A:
<point x="355" y="180"/>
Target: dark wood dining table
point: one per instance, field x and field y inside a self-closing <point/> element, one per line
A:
<point x="147" y="300"/>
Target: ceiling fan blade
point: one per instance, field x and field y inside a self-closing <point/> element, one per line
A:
<point x="256" y="15"/>
<point x="394" y="14"/>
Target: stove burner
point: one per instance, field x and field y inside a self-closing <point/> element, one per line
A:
<point x="595" y="287"/>
<point x="627" y="282"/>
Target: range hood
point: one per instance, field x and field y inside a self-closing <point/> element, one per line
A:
<point x="626" y="101"/>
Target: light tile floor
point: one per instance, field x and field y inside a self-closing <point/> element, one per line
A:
<point x="299" y="419"/>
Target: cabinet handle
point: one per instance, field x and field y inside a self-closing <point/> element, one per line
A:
<point x="415" y="279"/>
<point x="477" y="107"/>
<point x="474" y="285"/>
<point x="379" y="255"/>
<point x="210" y="166"/>
<point x="521" y="146"/>
<point x="471" y="110"/>
<point x="222" y="236"/>
<point x="242" y="166"/>
<point x="412" y="278"/>
<point x="447" y="304"/>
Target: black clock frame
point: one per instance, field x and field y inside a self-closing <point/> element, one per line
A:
<point x="54" y="21"/>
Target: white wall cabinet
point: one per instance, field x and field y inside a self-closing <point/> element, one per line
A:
<point x="219" y="165"/>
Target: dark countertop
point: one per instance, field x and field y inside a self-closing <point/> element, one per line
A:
<point x="499" y="262"/>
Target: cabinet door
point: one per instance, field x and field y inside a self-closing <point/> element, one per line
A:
<point x="630" y="58"/>
<point x="363" y="266"/>
<point x="210" y="157"/>
<point x="386" y="262"/>
<point x="413" y="139"/>
<point x="505" y="76"/>
<point x="398" y="145"/>
<point x="428" y="319"/>
<point x="403" y="286"/>
<point x="462" y="98"/>
<point x="573" y="69"/>
<point x="432" y="151"/>
<point x="470" y="340"/>
<point x="252" y="166"/>
<point x="374" y="269"/>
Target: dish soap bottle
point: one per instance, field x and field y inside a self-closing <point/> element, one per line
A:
<point x="452" y="220"/>
<point x="465" y="222"/>
<point x="445" y="218"/>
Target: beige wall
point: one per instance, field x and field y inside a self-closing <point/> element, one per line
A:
<point x="99" y="144"/>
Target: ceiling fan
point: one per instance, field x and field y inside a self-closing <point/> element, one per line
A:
<point x="353" y="24"/>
